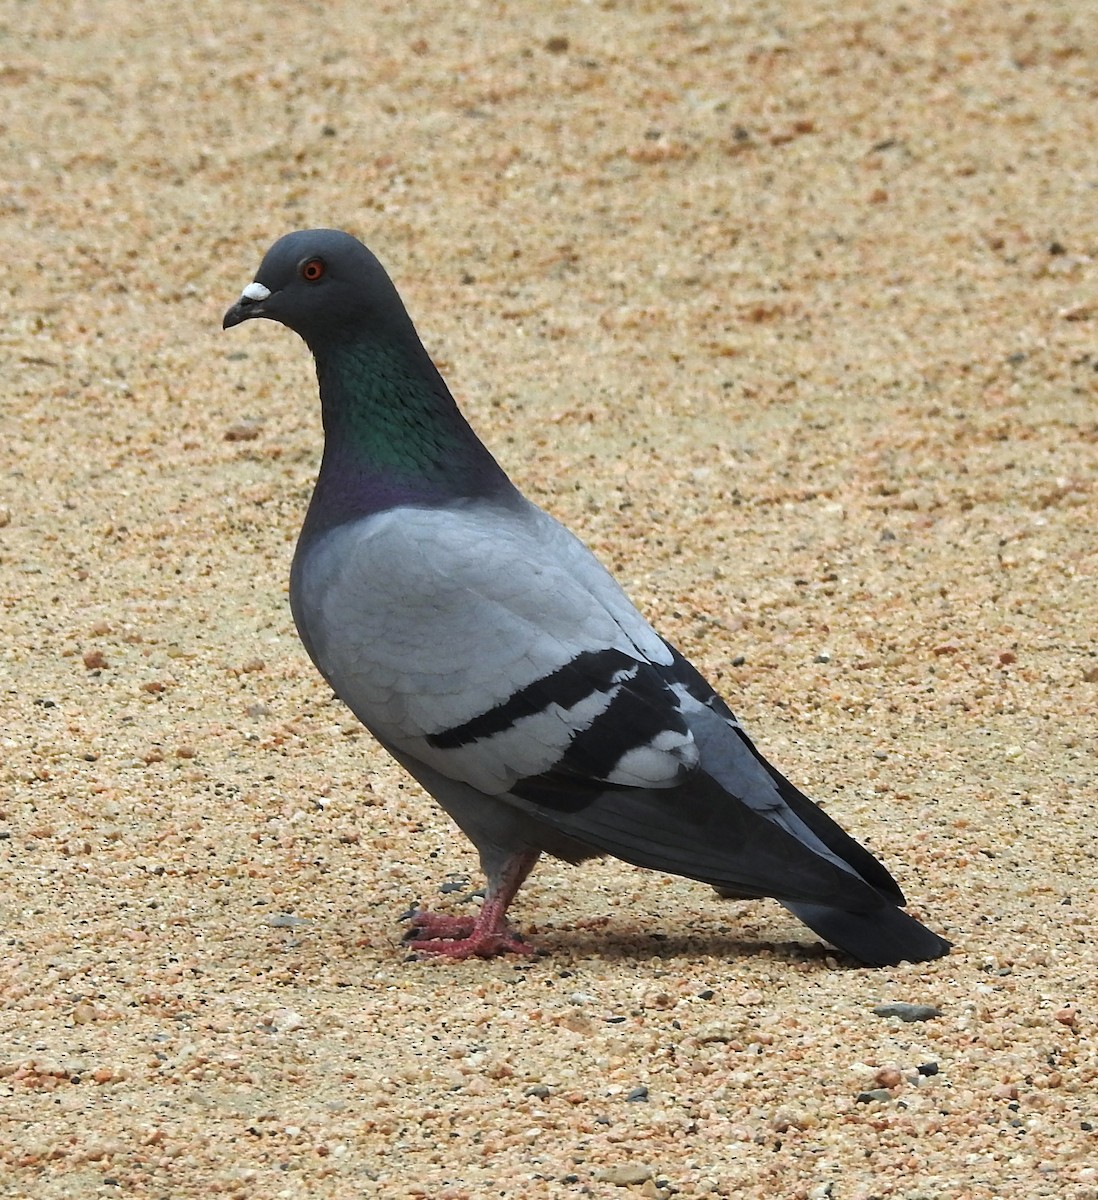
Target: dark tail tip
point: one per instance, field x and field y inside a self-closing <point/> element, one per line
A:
<point x="882" y="937"/>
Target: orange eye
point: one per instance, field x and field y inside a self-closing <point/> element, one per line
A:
<point x="313" y="269"/>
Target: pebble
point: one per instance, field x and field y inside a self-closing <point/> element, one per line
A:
<point x="872" y="1095"/>
<point x="244" y="432"/>
<point x="625" y="1175"/>
<point x="928" y="1069"/>
<point x="638" y="1093"/>
<point x="283" y="1020"/>
<point x="719" y="1032"/>
<point x="907" y="1012"/>
<point x="285" y="921"/>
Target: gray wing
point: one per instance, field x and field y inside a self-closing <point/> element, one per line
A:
<point x="490" y="644"/>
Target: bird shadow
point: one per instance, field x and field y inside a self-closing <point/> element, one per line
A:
<point x="625" y="947"/>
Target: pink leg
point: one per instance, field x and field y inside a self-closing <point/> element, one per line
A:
<point x="487" y="935"/>
<point x="429" y="925"/>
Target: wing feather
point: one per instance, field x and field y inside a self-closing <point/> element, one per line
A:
<point x="492" y="645"/>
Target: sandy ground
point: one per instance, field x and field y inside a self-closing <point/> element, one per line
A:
<point x="793" y="315"/>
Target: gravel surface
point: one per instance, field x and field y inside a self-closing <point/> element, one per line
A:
<point x="793" y="315"/>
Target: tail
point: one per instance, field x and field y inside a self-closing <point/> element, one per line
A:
<point x="881" y="937"/>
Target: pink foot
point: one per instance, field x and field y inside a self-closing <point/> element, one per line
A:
<point x="437" y="936"/>
<point x="428" y="925"/>
<point x="483" y="945"/>
<point x="489" y="934"/>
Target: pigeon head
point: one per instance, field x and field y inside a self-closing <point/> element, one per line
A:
<point x="322" y="284"/>
<point x="392" y="432"/>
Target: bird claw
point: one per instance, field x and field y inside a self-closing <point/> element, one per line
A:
<point x="486" y="944"/>
<point x="437" y="935"/>
<point x="428" y="926"/>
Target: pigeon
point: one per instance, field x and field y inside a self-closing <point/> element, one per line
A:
<point x="495" y="658"/>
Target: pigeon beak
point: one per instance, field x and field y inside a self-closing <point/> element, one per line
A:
<point x="249" y="305"/>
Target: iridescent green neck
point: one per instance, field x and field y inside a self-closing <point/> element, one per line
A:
<point x="390" y="422"/>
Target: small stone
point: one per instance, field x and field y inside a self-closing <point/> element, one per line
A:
<point x="578" y="1023"/>
<point x="785" y="1118"/>
<point x="82" y="1014"/>
<point x="94" y="660"/>
<point x="538" y="1090"/>
<point x="285" y="921"/>
<point x="907" y="1012"/>
<point x="284" y="1020"/>
<point x="625" y="1175"/>
<point x="1066" y="1016"/>
<point x="244" y="432"/>
<point x="928" y="1069"/>
<point x="824" y="656"/>
<point x="638" y="1094"/>
<point x="872" y="1096"/>
<point x="719" y="1032"/>
<point x="557" y="45"/>
<point x="888" y="1077"/>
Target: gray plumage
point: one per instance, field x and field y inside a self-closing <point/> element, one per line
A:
<point x="495" y="658"/>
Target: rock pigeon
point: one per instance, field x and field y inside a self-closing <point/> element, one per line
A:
<point x="493" y="656"/>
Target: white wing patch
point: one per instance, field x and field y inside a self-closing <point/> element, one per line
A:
<point x="662" y="761"/>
